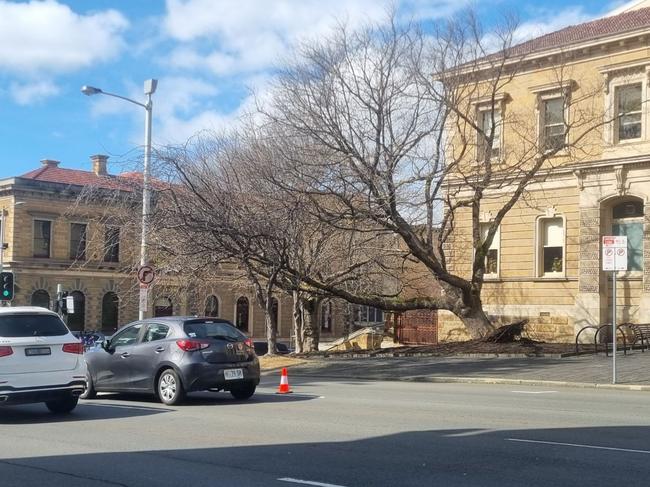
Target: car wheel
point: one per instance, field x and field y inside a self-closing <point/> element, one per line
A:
<point x="62" y="406"/>
<point x="170" y="389"/>
<point x="90" y="392"/>
<point x="243" y="391"/>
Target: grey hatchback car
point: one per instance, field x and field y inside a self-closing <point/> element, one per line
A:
<point x="172" y="356"/>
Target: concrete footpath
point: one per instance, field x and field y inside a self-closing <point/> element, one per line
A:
<point x="633" y="370"/>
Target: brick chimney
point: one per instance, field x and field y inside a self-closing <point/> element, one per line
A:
<point x="99" y="164"/>
<point x="50" y="163"/>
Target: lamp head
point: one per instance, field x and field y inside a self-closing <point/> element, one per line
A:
<point x="150" y="86"/>
<point x="90" y="90"/>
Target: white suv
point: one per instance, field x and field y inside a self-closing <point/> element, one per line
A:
<point x="40" y="360"/>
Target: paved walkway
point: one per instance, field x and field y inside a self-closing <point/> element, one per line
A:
<point x="633" y="370"/>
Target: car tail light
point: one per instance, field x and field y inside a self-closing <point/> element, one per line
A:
<point x="249" y="342"/>
<point x="4" y="351"/>
<point x="191" y="345"/>
<point x="74" y="348"/>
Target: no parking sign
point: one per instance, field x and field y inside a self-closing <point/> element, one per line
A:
<point x="614" y="253"/>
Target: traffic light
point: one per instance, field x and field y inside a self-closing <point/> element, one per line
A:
<point x="7" y="283"/>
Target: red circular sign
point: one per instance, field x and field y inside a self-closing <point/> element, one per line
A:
<point x="146" y="274"/>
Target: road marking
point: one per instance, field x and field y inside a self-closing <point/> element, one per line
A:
<point x="534" y="392"/>
<point x="576" y="445"/>
<point x="308" y="482"/>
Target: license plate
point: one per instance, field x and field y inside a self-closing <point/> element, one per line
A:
<point x="30" y="352"/>
<point x="233" y="374"/>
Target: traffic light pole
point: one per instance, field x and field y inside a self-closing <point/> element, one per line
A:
<point x="2" y="245"/>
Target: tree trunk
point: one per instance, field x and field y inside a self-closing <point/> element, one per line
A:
<point x="476" y="321"/>
<point x="271" y="326"/>
<point x="297" y="321"/>
<point x="311" y="328"/>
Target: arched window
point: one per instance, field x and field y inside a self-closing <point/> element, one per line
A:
<point x="627" y="220"/>
<point x="110" y="312"/>
<point x="211" y="306"/>
<point x="241" y="314"/>
<point x="77" y="320"/>
<point x="163" y="307"/>
<point x="41" y="298"/>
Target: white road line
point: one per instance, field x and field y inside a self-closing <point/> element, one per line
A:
<point x="534" y="392"/>
<point x="308" y="482"/>
<point x="576" y="445"/>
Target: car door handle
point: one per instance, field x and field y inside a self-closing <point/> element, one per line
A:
<point x="160" y="349"/>
<point x="125" y="354"/>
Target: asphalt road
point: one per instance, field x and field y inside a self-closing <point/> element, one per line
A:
<point x="350" y="434"/>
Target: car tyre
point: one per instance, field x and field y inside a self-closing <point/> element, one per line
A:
<point x="170" y="389"/>
<point x="90" y="392"/>
<point x="243" y="391"/>
<point x="62" y="406"/>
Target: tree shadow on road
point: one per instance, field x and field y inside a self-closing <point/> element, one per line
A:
<point x="456" y="457"/>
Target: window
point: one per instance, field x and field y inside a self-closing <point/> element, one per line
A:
<point x="627" y="220"/>
<point x="110" y="312"/>
<point x="551" y="246"/>
<point x="486" y="118"/>
<point x="211" y="306"/>
<point x="492" y="257"/>
<point x="155" y="332"/>
<point x="77" y="320"/>
<point x="42" y="238"/>
<point x="30" y="326"/>
<point x="163" y="307"/>
<point x="41" y="298"/>
<point x="127" y="337"/>
<point x="77" y="241"/>
<point x="629" y="103"/>
<point x="112" y="244"/>
<point x="367" y="315"/>
<point x="326" y="316"/>
<point x="554" y="129"/>
<point x="241" y="313"/>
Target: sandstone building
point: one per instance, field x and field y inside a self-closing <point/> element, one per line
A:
<point x="545" y="261"/>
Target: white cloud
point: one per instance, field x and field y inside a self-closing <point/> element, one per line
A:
<point x="48" y="36"/>
<point x="252" y="35"/>
<point x="32" y="92"/>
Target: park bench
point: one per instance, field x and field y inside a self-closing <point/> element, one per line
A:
<point x="641" y="333"/>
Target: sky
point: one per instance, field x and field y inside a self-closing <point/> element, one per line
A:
<point x="211" y="57"/>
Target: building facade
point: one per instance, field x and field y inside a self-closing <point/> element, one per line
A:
<point x="52" y="239"/>
<point x="545" y="261"/>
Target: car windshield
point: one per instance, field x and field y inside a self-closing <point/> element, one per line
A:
<point x="213" y="329"/>
<point x="25" y="325"/>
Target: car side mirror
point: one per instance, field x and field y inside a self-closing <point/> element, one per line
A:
<point x="106" y="345"/>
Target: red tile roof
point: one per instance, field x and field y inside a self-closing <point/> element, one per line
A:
<point x="76" y="177"/>
<point x="607" y="26"/>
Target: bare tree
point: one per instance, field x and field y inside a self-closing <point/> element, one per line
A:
<point x="378" y="130"/>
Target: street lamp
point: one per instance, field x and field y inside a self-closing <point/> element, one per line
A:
<point x="149" y="89"/>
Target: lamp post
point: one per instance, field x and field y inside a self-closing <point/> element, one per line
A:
<point x="149" y="89"/>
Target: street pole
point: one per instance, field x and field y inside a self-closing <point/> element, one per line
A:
<point x="150" y="86"/>
<point x="142" y="302"/>
<point x="614" y="327"/>
<point x="2" y="239"/>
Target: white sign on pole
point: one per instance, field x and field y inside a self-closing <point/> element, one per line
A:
<point x="614" y="253"/>
<point x="69" y="304"/>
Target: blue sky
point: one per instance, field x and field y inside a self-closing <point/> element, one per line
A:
<point x="207" y="55"/>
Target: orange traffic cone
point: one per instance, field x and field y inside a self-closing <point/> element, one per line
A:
<point x="284" y="383"/>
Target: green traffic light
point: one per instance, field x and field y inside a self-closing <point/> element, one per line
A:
<point x="5" y="293"/>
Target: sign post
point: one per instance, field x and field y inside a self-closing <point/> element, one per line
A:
<point x="146" y="275"/>
<point x="614" y="260"/>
